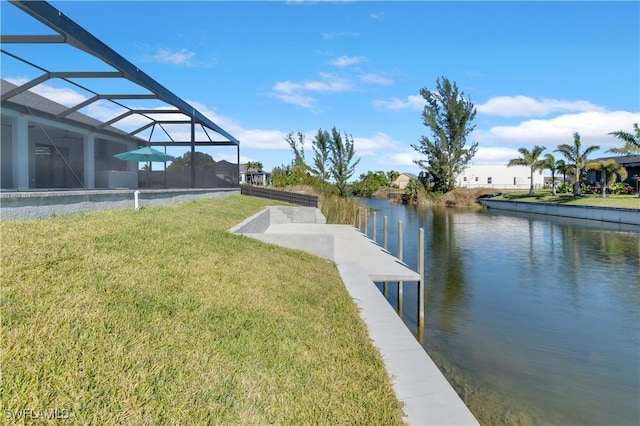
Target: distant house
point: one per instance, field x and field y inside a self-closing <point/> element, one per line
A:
<point x="499" y="177"/>
<point x="631" y="163"/>
<point x="402" y="180"/>
<point x="254" y="177"/>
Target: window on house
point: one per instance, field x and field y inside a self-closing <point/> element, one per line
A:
<point x="489" y="179"/>
<point x="476" y="178"/>
<point x="464" y="178"/>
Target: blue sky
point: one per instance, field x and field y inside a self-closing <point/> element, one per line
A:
<point x="536" y="71"/>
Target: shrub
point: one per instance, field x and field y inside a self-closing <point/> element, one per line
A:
<point x="619" y="188"/>
<point x="414" y="192"/>
<point x="564" y="188"/>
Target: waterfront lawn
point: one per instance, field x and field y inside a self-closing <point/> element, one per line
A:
<point x="160" y="316"/>
<point x="544" y="196"/>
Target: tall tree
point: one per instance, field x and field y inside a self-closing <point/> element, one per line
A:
<point x="321" y="155"/>
<point x="342" y="166"/>
<point x="297" y="146"/>
<point x="254" y="166"/>
<point x="448" y="114"/>
<point x="564" y="168"/>
<point x="549" y="162"/>
<point x="531" y="160"/>
<point x="367" y="184"/>
<point x="392" y="175"/>
<point x="631" y="141"/>
<point x="577" y="158"/>
<point x="203" y="162"/>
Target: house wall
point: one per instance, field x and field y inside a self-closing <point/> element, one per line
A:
<point x="402" y="181"/>
<point x="39" y="153"/>
<point x="499" y="177"/>
<point x="6" y="154"/>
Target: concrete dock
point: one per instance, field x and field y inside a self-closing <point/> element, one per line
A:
<point x="352" y="246"/>
<point x="427" y="396"/>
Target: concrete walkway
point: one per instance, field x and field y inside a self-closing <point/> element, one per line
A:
<point x="352" y="246"/>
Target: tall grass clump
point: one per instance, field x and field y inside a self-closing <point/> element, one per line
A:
<point x="162" y="317"/>
<point x="340" y="210"/>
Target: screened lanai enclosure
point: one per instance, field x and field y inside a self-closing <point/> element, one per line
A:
<point x="66" y="113"/>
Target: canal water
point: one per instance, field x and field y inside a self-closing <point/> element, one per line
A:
<point x="532" y="319"/>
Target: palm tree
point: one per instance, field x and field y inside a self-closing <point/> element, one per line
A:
<point x="631" y="141"/>
<point x="549" y="162"/>
<point x="253" y="166"/>
<point x="610" y="170"/>
<point x="564" y="168"/>
<point x="529" y="159"/>
<point x="576" y="157"/>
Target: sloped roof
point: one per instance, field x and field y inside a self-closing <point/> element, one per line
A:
<point x="409" y="175"/>
<point x="33" y="104"/>
<point x="623" y="160"/>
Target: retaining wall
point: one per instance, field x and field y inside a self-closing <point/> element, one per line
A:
<point x="40" y="204"/>
<point x="605" y="214"/>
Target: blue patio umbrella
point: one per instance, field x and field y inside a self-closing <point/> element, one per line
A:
<point x="146" y="154"/>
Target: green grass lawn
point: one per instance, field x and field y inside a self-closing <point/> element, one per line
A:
<point x="160" y="316"/>
<point x="611" y="200"/>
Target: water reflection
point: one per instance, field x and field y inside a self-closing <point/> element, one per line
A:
<point x="445" y="273"/>
<point x="532" y="319"/>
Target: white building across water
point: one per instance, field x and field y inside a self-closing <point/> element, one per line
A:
<point x="499" y="177"/>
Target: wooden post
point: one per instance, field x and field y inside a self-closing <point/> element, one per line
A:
<point x="375" y="225"/>
<point x="385" y="232"/>
<point x="359" y="218"/>
<point x="400" y="248"/>
<point x="400" y="283"/>
<point x="385" y="228"/>
<point x="366" y="223"/>
<point x="421" y="282"/>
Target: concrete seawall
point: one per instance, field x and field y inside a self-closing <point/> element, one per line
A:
<point x="604" y="214"/>
<point x="428" y="397"/>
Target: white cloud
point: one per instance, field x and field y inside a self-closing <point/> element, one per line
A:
<point x="413" y="102"/>
<point x="592" y="126"/>
<point x="231" y="158"/>
<point x="524" y="106"/>
<point x="403" y="160"/>
<point x="376" y="79"/>
<point x="294" y="92"/>
<point x="180" y="57"/>
<point x="377" y="16"/>
<point x="376" y="145"/>
<point x="331" y="36"/>
<point x="249" y="138"/>
<point x="328" y="83"/>
<point x="345" y="61"/>
<point x="490" y="155"/>
<point x="296" y="99"/>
